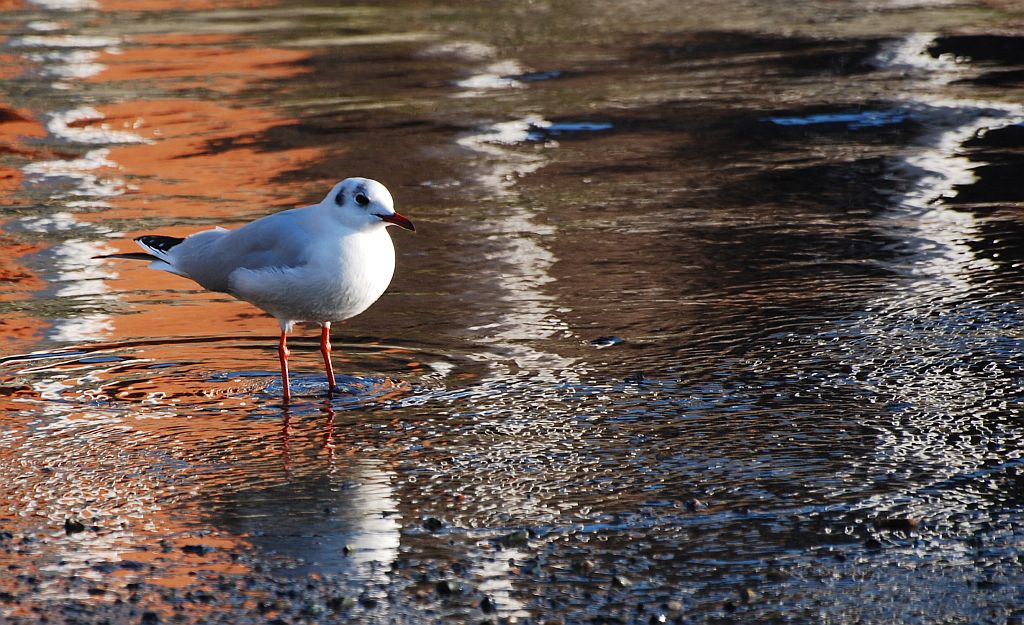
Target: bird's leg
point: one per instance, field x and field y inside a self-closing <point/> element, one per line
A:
<point x="325" y="349"/>
<point x="282" y="353"/>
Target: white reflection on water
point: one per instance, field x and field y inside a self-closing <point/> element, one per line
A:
<point x="500" y="75"/>
<point x="83" y="182"/>
<point x="497" y="576"/>
<point x="375" y="531"/>
<point x="345" y="521"/>
<point x="77" y="177"/>
<point x="916" y="347"/>
<point x="910" y="55"/>
<point x="77" y="64"/>
<point x="70" y="265"/>
<point x="518" y="244"/>
<point x="69" y="125"/>
<point x="63" y="41"/>
<point x="82" y="328"/>
<point x="65" y="5"/>
<point x="939" y="237"/>
<point x="79" y="272"/>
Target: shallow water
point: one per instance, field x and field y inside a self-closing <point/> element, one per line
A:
<point x="712" y="314"/>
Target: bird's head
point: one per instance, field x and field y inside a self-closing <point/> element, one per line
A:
<point x="363" y="203"/>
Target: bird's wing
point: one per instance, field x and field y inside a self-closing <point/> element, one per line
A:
<point x="280" y="240"/>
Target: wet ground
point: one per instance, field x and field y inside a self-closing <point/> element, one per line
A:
<point x="712" y="315"/>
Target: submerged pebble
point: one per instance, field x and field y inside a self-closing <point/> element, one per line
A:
<point x="602" y="342"/>
<point x="73" y="526"/>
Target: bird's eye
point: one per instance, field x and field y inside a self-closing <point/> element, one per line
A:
<point x="361" y="199"/>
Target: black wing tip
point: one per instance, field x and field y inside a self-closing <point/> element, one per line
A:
<point x="158" y="242"/>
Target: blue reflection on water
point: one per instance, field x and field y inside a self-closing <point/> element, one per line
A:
<point x="541" y="132"/>
<point x="854" y="121"/>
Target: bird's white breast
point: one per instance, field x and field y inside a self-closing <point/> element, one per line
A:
<point x="356" y="273"/>
<point x="343" y="276"/>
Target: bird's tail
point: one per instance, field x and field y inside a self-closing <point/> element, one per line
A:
<point x="156" y="247"/>
<point x="130" y="256"/>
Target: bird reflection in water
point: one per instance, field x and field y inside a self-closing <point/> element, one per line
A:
<point x="327" y="443"/>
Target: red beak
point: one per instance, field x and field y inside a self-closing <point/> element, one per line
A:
<point x="398" y="220"/>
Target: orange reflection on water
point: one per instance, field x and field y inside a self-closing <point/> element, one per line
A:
<point x="187" y="61"/>
<point x="17" y="282"/>
<point x="205" y="152"/>
<point x="139" y="523"/>
<point x="100" y="442"/>
<point x="15" y="127"/>
<point x="197" y="162"/>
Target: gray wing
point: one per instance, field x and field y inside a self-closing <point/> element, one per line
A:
<point x="278" y="240"/>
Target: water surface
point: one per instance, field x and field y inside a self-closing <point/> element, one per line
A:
<point x="712" y="314"/>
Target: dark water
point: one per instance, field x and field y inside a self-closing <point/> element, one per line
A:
<point x="712" y="314"/>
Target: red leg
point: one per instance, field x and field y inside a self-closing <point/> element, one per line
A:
<point x="282" y="353"/>
<point x="325" y="349"/>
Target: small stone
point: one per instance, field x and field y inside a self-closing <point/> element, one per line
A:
<point x="72" y="526"/>
<point x="674" y="606"/>
<point x="487" y="605"/>
<point x="348" y="550"/>
<point x="433" y="524"/>
<point x="747" y="595"/>
<point x="618" y="581"/>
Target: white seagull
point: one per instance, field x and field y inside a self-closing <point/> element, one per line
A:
<point x="321" y="263"/>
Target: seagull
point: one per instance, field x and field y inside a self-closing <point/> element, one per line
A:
<point x="321" y="263"/>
